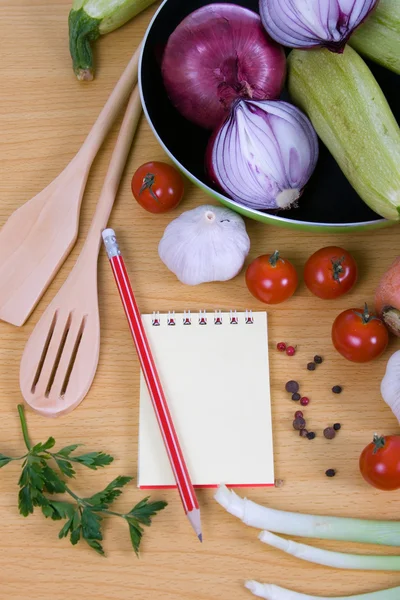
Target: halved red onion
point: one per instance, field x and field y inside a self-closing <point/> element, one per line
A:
<point x="263" y="154"/>
<point x="313" y="23"/>
<point x="219" y="53"/>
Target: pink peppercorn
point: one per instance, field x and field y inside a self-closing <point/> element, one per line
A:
<point x="290" y="351"/>
<point x="304" y="401"/>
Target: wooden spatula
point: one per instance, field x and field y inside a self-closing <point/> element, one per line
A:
<point x="38" y="236"/>
<point x="60" y="358"/>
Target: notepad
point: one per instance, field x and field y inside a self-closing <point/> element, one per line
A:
<point x="215" y="374"/>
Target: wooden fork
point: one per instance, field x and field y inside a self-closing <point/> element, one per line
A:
<point x="60" y="358"/>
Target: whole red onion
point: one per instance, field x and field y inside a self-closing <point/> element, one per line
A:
<point x="217" y="54"/>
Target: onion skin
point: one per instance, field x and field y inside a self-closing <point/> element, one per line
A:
<point x="387" y="298"/>
<point x="217" y="54"/>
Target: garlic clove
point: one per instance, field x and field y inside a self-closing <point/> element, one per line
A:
<point x="208" y="243"/>
<point x="390" y="385"/>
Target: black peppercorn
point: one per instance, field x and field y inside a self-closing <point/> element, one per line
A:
<point x="329" y="433"/>
<point x="311" y="435"/>
<point x="296" y="396"/>
<point x="337" y="426"/>
<point x="330" y="473"/>
<point x="299" y="423"/>
<point x="337" y="389"/>
<point x="303" y="432"/>
<point x="311" y="366"/>
<point x="318" y="359"/>
<point x="292" y="387"/>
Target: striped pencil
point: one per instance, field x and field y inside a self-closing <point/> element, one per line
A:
<point x="184" y="484"/>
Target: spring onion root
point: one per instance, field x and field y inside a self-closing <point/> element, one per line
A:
<point x="310" y="526"/>
<point x="339" y="560"/>
<point x="274" y="592"/>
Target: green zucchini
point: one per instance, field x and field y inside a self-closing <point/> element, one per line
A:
<point x="379" y="37"/>
<point x="88" y="20"/>
<point x="352" y="117"/>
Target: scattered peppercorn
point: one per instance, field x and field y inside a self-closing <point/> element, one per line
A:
<point x="337" y="426"/>
<point x="303" y="432"/>
<point x="298" y="414"/>
<point x="318" y="359"/>
<point x="279" y="483"/>
<point x="311" y="435"/>
<point x="330" y="473"/>
<point x="337" y="389"/>
<point x="296" y="396"/>
<point x="299" y="423"/>
<point x="304" y="401"/>
<point x="290" y="351"/>
<point x="311" y="366"/>
<point x="292" y="387"/>
<point x="329" y="433"/>
<point x="281" y="346"/>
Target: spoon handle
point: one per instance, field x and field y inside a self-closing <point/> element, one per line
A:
<point x="111" y="108"/>
<point x="115" y="170"/>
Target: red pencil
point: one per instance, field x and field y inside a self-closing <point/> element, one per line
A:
<point x="185" y="487"/>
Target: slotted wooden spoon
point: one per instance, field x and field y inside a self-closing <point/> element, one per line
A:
<point x="38" y="236"/>
<point x="60" y="358"/>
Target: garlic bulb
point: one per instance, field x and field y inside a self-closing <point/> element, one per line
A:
<point x="390" y="386"/>
<point x="208" y="243"/>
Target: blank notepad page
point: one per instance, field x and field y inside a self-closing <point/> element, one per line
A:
<point x="216" y="381"/>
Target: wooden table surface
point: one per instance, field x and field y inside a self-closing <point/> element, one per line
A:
<point x="44" y="117"/>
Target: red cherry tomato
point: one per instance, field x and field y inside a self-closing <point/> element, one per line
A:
<point x="380" y="462"/>
<point x="330" y="272"/>
<point x="359" y="336"/>
<point x="271" y="279"/>
<point x="157" y="187"/>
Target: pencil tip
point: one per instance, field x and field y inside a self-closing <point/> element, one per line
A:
<point x="200" y="536"/>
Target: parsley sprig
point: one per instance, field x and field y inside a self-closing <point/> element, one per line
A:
<point x="45" y="472"/>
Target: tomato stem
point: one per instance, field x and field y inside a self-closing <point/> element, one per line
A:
<point x="148" y="182"/>
<point x="365" y="316"/>
<point x="273" y="259"/>
<point x="379" y="442"/>
<point x="337" y="268"/>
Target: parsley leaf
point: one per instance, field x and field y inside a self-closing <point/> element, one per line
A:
<point x="4" y="460"/>
<point x="141" y="514"/>
<point x="144" y="510"/>
<point x="102" y="500"/>
<point x="93" y="460"/>
<point x="91" y="524"/>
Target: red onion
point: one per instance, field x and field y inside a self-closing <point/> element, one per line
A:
<point x="217" y="54"/>
<point x="263" y="154"/>
<point x="311" y="23"/>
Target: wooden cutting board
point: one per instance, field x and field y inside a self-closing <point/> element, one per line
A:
<point x="44" y="117"/>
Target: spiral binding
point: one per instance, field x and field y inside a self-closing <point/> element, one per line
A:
<point x="203" y="318"/>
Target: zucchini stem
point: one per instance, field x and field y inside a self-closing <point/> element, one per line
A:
<point x="83" y="30"/>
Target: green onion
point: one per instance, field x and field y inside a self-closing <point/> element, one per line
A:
<point x="274" y="592"/>
<point x="309" y="526"/>
<point x="88" y="20"/>
<point x="339" y="560"/>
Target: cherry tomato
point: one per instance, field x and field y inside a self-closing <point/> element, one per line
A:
<point x="380" y="462"/>
<point x="330" y="272"/>
<point x="359" y="336"/>
<point x="157" y="187"/>
<point x="271" y="279"/>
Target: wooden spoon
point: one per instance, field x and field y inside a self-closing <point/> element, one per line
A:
<point x="60" y="358"/>
<point x="39" y="235"/>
